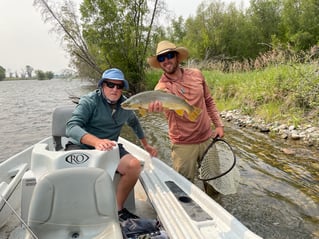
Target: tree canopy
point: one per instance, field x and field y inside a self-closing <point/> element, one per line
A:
<point x="111" y="33"/>
<point x="2" y="73"/>
<point x="122" y="33"/>
<point x="228" y="31"/>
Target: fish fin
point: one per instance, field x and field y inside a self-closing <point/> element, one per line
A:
<point x="180" y="112"/>
<point x="142" y="111"/>
<point x="193" y="115"/>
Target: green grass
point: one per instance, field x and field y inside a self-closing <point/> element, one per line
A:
<point x="286" y="93"/>
<point x="152" y="77"/>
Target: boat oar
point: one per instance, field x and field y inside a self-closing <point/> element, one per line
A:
<point x="20" y="219"/>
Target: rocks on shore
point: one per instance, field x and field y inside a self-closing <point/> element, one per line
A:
<point x="307" y="133"/>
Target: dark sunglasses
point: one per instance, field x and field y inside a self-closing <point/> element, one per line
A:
<point x="112" y="85"/>
<point x="169" y="55"/>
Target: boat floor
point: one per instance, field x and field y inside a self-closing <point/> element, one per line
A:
<point x="144" y="209"/>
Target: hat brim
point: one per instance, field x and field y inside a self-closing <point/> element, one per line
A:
<point x="125" y="82"/>
<point x="182" y="55"/>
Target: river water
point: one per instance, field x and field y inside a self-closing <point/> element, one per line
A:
<point x="278" y="196"/>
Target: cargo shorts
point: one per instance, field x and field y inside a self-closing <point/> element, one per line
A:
<point x="186" y="156"/>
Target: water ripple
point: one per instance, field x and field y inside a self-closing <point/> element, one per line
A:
<point x="278" y="194"/>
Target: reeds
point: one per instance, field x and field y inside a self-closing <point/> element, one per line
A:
<point x="277" y="86"/>
<point x="274" y="57"/>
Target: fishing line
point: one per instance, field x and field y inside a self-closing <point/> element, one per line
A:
<point x="20" y="219"/>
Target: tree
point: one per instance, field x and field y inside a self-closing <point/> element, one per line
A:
<point x="113" y="33"/>
<point x="265" y="17"/>
<point x="2" y="73"/>
<point x="219" y="31"/>
<point x="40" y="75"/>
<point x="65" y="23"/>
<point x="301" y="23"/>
<point x="49" y="75"/>
<point x="119" y="34"/>
<point x="23" y="74"/>
<point x="177" y="31"/>
<point x="29" y="70"/>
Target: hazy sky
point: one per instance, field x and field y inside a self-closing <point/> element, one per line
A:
<point x="25" y="38"/>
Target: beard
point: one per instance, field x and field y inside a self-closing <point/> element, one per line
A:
<point x="171" y="68"/>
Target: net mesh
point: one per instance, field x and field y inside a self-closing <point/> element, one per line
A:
<point x="218" y="160"/>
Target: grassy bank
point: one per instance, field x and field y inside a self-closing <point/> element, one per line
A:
<point x="285" y="93"/>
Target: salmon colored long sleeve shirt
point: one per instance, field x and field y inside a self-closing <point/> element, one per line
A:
<point x="193" y="88"/>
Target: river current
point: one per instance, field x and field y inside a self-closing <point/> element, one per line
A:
<point x="278" y="194"/>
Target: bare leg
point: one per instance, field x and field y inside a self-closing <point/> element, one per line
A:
<point x="129" y="168"/>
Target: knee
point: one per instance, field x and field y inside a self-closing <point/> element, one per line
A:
<point x="129" y="165"/>
<point x="135" y="164"/>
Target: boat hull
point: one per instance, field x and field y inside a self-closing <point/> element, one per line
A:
<point x="183" y="209"/>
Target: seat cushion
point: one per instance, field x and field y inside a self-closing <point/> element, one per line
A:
<point x="74" y="200"/>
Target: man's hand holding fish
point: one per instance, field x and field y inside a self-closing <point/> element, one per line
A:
<point x="155" y="106"/>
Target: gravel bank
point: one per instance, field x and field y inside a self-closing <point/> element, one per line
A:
<point x="308" y="134"/>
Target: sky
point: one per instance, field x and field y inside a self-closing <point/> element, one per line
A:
<point x="26" y="40"/>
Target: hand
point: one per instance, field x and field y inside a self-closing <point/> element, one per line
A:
<point x="219" y="131"/>
<point x="155" y="106"/>
<point x="104" y="144"/>
<point x="151" y="150"/>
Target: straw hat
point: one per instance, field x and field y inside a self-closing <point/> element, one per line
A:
<point x="166" y="46"/>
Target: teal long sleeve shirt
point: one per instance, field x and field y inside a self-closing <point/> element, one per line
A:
<point x="96" y="116"/>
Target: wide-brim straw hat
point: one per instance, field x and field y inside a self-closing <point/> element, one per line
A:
<point x="167" y="46"/>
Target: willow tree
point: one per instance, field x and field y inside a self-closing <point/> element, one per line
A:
<point x="64" y="21"/>
<point x="218" y="31"/>
<point x="118" y="30"/>
<point x="111" y="33"/>
<point x="300" y="19"/>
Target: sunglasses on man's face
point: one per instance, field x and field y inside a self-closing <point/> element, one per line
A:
<point x="169" y="55"/>
<point x="112" y="85"/>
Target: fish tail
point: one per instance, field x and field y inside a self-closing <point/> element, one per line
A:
<point x="193" y="115"/>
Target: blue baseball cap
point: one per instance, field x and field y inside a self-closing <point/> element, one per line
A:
<point x="113" y="74"/>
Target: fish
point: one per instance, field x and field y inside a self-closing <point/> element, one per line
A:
<point x="169" y="101"/>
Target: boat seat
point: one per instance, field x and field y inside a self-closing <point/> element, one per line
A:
<point x="44" y="161"/>
<point x="74" y="203"/>
<point x="60" y="117"/>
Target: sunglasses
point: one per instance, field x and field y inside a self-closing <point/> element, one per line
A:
<point x="112" y="85"/>
<point x="169" y="55"/>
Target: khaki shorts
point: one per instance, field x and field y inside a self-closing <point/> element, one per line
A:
<point x="186" y="156"/>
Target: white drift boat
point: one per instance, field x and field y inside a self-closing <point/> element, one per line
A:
<point x="70" y="194"/>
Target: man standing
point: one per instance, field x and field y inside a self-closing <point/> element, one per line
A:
<point x="97" y="122"/>
<point x="188" y="139"/>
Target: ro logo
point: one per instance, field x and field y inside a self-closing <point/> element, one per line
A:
<point x="77" y="158"/>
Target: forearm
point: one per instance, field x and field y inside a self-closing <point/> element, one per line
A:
<point x="213" y="113"/>
<point x="151" y="150"/>
<point x="89" y="139"/>
<point x="97" y="143"/>
<point x="144" y="142"/>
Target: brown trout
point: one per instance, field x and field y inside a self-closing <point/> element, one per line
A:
<point x="169" y="101"/>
